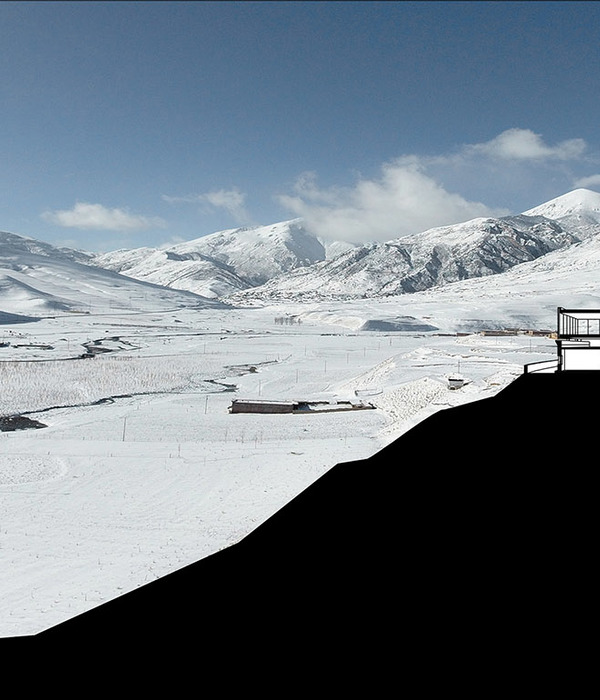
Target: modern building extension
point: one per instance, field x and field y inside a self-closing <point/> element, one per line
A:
<point x="577" y="342"/>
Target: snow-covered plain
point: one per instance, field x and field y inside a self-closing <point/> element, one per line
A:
<point x="116" y="492"/>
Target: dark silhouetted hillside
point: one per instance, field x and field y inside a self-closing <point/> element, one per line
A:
<point x="473" y="533"/>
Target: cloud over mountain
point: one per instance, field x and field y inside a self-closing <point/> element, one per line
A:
<point x="402" y="201"/>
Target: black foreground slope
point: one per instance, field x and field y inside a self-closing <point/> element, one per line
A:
<point x="478" y="523"/>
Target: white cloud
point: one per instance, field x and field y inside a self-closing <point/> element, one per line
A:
<point x="524" y="144"/>
<point x="233" y="201"/>
<point x="589" y="181"/>
<point x="404" y="200"/>
<point x="100" y="218"/>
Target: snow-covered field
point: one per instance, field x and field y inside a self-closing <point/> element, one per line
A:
<point x="141" y="469"/>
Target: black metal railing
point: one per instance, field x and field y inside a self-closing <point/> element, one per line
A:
<point x="578" y="323"/>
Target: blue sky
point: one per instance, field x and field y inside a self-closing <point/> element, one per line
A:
<point x="129" y="124"/>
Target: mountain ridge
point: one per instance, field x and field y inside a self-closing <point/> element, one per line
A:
<point x="284" y="262"/>
<point x="480" y="247"/>
<point x="438" y="256"/>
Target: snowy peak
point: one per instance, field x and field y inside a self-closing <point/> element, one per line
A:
<point x="223" y="262"/>
<point x="579" y="202"/>
<point x="259" y="253"/>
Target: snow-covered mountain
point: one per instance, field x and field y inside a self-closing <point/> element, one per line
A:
<point x="223" y="262"/>
<point x="439" y="256"/>
<point x="284" y="262"/>
<point x="443" y="255"/>
<point x="37" y="278"/>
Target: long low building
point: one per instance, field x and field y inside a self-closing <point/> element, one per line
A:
<point x="274" y="406"/>
<point x="260" y="406"/>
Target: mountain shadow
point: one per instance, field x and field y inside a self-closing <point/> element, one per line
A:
<point x="472" y="535"/>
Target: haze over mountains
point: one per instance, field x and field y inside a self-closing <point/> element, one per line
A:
<point x="284" y="262"/>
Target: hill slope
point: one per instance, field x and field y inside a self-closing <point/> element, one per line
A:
<point x="39" y="279"/>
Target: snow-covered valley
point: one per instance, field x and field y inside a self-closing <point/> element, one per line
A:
<point x="116" y="492"/>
